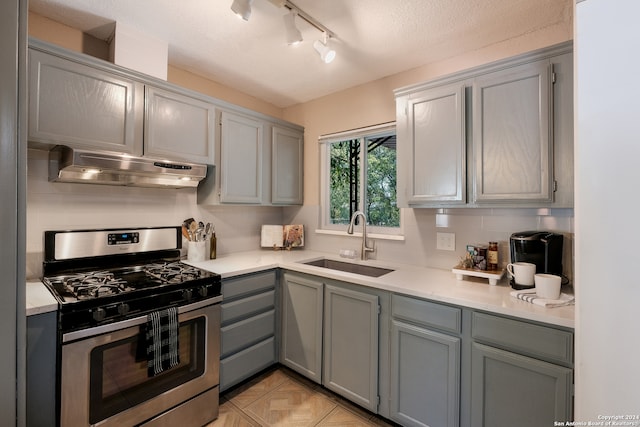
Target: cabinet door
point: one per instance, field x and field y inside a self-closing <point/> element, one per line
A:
<point x="425" y="376"/>
<point x="431" y="142"/>
<point x="241" y="164"/>
<point x="508" y="389"/>
<point x="351" y="345"/>
<point x="512" y="143"/>
<point x="302" y="326"/>
<point x="286" y="167"/>
<point x="178" y="126"/>
<point x="41" y="369"/>
<point x="83" y="107"/>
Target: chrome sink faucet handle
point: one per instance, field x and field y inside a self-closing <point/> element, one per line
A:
<point x="365" y="248"/>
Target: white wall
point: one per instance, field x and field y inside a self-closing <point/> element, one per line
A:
<point x="607" y="150"/>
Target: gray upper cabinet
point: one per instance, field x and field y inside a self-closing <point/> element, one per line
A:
<point x="431" y="126"/>
<point x="260" y="162"/>
<point x="78" y="105"/>
<point x="512" y="141"/>
<point x="499" y="135"/>
<point x="84" y="103"/>
<point x="241" y="146"/>
<point x="178" y="126"/>
<point x="286" y="166"/>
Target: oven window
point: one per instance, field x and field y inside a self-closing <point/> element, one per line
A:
<point x="119" y="378"/>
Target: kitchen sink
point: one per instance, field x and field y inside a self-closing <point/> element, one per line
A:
<point x="348" y="267"/>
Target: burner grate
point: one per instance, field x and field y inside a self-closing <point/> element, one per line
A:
<point x="95" y="284"/>
<point x="172" y="272"/>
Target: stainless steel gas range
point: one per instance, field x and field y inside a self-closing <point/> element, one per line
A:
<point x="138" y="330"/>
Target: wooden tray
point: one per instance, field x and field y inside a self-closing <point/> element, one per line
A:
<point x="492" y="275"/>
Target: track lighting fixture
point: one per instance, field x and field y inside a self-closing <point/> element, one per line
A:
<point x="242" y="8"/>
<point x="326" y="53"/>
<point x="293" y="33"/>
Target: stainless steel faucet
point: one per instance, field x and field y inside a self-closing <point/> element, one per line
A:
<point x="365" y="248"/>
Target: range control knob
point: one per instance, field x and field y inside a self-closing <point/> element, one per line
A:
<point x="99" y="314"/>
<point x="187" y="294"/>
<point x="203" y="291"/>
<point x="123" y="309"/>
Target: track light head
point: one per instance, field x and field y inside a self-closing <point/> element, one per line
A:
<point x="293" y="33"/>
<point x="326" y="53"/>
<point x="242" y="8"/>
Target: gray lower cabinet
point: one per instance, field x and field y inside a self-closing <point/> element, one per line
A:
<point x="332" y="334"/>
<point x="79" y="105"/>
<point x="248" y="333"/>
<point x="425" y="363"/>
<point x="302" y="314"/>
<point x="41" y="369"/>
<point x="179" y="126"/>
<point x="521" y="373"/>
<point x="351" y="345"/>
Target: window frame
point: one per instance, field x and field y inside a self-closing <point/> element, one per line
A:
<point x="325" y="226"/>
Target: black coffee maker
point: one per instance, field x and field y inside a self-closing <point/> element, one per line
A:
<point x="542" y="248"/>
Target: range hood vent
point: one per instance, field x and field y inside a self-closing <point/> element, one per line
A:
<point x="109" y="168"/>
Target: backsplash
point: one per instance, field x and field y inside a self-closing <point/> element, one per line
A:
<point x="469" y="226"/>
<point x="59" y="206"/>
<point x="62" y="206"/>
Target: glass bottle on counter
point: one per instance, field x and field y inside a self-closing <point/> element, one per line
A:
<point x="212" y="246"/>
<point x="492" y="256"/>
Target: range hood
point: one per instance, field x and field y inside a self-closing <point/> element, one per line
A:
<point x="110" y="168"/>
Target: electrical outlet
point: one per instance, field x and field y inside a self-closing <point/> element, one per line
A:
<point x="446" y="241"/>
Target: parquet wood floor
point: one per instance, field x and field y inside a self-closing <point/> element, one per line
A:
<point x="280" y="397"/>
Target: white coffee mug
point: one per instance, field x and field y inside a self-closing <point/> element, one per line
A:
<point x="196" y="251"/>
<point x="548" y="286"/>
<point x="522" y="272"/>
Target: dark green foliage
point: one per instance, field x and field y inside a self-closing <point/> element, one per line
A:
<point x="381" y="209"/>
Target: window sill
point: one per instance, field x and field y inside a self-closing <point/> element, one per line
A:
<point x="398" y="237"/>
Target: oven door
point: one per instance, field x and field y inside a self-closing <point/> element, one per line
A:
<point x="104" y="380"/>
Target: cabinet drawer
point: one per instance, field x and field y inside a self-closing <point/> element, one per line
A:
<point x="427" y="313"/>
<point x="246" y="285"/>
<point x="246" y="332"/>
<point x="526" y="338"/>
<point x="249" y="361"/>
<point x="247" y="307"/>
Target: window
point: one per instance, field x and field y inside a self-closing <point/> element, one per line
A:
<point x="359" y="173"/>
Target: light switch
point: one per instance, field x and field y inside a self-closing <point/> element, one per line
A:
<point x="446" y="241"/>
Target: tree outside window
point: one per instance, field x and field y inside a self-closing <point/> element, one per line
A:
<point x="362" y="176"/>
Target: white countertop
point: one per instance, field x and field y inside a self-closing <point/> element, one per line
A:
<point x="430" y="283"/>
<point x="39" y="299"/>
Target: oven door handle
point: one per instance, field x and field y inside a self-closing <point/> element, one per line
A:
<point x="135" y="321"/>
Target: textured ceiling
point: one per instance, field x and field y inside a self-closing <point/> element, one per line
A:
<point x="374" y="38"/>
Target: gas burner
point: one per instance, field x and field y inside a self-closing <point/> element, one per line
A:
<point x="94" y="284"/>
<point x="172" y="272"/>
